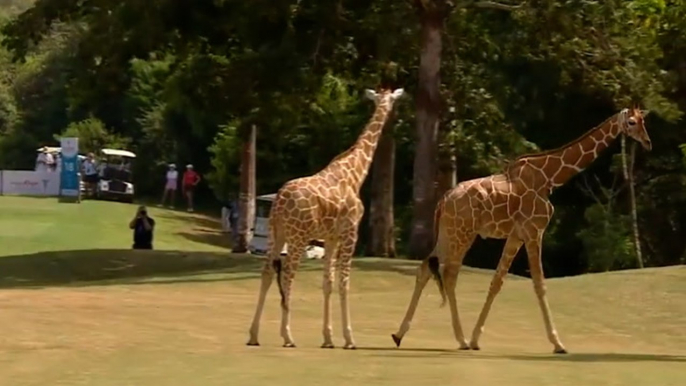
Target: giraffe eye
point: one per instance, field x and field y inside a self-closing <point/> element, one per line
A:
<point x="632" y="121"/>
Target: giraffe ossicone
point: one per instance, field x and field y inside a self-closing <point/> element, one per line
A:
<point x="323" y="206"/>
<point x="511" y="205"/>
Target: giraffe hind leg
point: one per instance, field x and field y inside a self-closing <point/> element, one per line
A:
<point x="288" y="271"/>
<point x="330" y="257"/>
<point x="435" y="268"/>
<point x="276" y="244"/>
<point x="423" y="276"/>
<point x="277" y="264"/>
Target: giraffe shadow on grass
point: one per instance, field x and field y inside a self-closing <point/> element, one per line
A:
<point x="415" y="353"/>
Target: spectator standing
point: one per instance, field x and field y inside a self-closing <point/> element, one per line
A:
<point x="172" y="181"/>
<point x="58" y="163"/>
<point x="90" y="174"/>
<point x="233" y="218"/>
<point x="143" y="227"/>
<point x="44" y="160"/>
<point x="190" y="181"/>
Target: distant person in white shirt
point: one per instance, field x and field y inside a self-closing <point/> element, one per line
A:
<point x="44" y="160"/>
<point x="90" y="174"/>
<point x="58" y="163"/>
<point x="170" y="185"/>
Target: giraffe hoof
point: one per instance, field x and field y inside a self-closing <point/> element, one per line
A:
<point x="560" y="350"/>
<point x="474" y="347"/>
<point x="327" y="345"/>
<point x="252" y="344"/>
<point x="396" y="340"/>
<point x="464" y="347"/>
<point x="349" y="346"/>
<point x="289" y="345"/>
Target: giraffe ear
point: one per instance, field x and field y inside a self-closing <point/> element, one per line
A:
<point x="370" y="94"/>
<point x="644" y="113"/>
<point x="398" y="93"/>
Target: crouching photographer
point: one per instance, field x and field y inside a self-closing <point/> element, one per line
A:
<point x="143" y="227"/>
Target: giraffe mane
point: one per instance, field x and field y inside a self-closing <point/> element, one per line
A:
<point x="342" y="154"/>
<point x="557" y="149"/>
<point x="352" y="147"/>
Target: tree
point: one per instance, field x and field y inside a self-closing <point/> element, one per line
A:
<point x="381" y="221"/>
<point x="432" y="16"/>
<point x="628" y="172"/>
<point x="246" y="196"/>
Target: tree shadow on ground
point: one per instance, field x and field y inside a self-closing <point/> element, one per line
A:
<point x="209" y="237"/>
<point x="203" y="230"/>
<point x="125" y="266"/>
<point x="414" y="353"/>
<point x="200" y="221"/>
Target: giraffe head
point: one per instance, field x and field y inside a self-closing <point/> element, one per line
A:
<point x="384" y="96"/>
<point x="632" y="123"/>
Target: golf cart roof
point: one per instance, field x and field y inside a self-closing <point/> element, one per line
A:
<point x="57" y="150"/>
<point x="117" y="152"/>
<point x="267" y="197"/>
<point x="50" y="149"/>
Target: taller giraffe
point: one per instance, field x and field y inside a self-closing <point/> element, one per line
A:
<point x="513" y="205"/>
<point x="324" y="206"/>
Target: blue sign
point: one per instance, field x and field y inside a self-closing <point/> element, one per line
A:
<point x="69" y="178"/>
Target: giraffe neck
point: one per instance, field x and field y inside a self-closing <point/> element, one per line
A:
<point x="560" y="165"/>
<point x="354" y="163"/>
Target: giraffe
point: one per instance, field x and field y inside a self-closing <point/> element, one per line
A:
<point x="325" y="206"/>
<point x="514" y="206"/>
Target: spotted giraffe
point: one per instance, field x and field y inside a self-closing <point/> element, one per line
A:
<point x="514" y="206"/>
<point x="324" y="206"/>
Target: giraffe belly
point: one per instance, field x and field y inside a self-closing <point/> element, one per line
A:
<point x="489" y="228"/>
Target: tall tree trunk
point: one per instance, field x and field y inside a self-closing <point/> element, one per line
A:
<point x="246" y="199"/>
<point x="629" y="176"/>
<point x="446" y="178"/>
<point x="428" y="113"/>
<point x="381" y="221"/>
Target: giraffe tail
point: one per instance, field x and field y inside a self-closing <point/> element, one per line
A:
<point x="276" y="263"/>
<point x="433" y="261"/>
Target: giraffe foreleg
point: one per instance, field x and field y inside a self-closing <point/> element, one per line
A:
<point x="347" y="246"/>
<point x="451" y="272"/>
<point x="290" y="268"/>
<point x="330" y="257"/>
<point x="512" y="246"/>
<point x="423" y="276"/>
<point x="533" y="251"/>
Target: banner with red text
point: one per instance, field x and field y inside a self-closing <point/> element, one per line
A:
<point x="30" y="183"/>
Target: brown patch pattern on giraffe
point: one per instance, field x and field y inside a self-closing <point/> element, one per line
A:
<point x="514" y="206"/>
<point x="324" y="206"/>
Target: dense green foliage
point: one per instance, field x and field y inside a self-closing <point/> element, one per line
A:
<point x="180" y="81"/>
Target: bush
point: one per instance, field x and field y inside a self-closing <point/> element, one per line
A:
<point x="607" y="239"/>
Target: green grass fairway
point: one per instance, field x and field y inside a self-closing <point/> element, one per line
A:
<point x="29" y="225"/>
<point x="104" y="315"/>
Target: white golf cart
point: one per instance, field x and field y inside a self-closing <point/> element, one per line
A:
<point x="258" y="244"/>
<point x="115" y="175"/>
